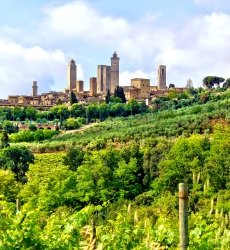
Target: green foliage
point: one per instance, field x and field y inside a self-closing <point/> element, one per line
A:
<point x="73" y="158"/>
<point x="32" y="127"/>
<point x="226" y="83"/>
<point x="8" y="185"/>
<point x="73" y="98"/>
<point x="71" y="123"/>
<point x="4" y="140"/>
<point x="210" y="81"/>
<point x="185" y="159"/>
<point x="119" y="92"/>
<point x="115" y="186"/>
<point x="30" y="136"/>
<point x="107" y="97"/>
<point x="16" y="159"/>
<point x="77" y="110"/>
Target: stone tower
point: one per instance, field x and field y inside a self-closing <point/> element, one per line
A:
<point x="114" y="72"/>
<point x="93" y="86"/>
<point x="162" y="77"/>
<point x="72" y="75"/>
<point x="80" y="86"/>
<point x="103" y="78"/>
<point x="35" y="88"/>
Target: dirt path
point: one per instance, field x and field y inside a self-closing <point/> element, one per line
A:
<point x="85" y="127"/>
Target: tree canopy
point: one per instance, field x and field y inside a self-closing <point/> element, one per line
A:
<point x="210" y="81"/>
<point x="119" y="92"/>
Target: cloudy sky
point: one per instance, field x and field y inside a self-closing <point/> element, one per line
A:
<point x="38" y="38"/>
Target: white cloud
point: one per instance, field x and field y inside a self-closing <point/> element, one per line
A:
<point x="76" y="19"/>
<point x="192" y="49"/>
<point x="19" y="66"/>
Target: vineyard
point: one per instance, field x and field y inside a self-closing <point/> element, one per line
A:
<point x="114" y="185"/>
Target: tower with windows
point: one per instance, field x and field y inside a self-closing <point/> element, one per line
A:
<point x="72" y="75"/>
<point x="114" y="72"/>
<point x="161" y="77"/>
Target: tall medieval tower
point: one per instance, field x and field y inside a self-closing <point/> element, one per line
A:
<point x="114" y="72"/>
<point x="103" y="78"/>
<point x="162" y="77"/>
<point x="72" y="75"/>
<point x="35" y="89"/>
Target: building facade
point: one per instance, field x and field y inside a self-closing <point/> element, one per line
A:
<point x="143" y="85"/>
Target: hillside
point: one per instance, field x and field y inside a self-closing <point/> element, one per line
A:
<point x="114" y="185"/>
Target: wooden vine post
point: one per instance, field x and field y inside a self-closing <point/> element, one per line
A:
<point x="18" y="205"/>
<point x="183" y="216"/>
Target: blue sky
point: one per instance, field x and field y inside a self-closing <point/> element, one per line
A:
<point x="38" y="38"/>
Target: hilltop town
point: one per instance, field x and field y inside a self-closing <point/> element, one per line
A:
<point x="107" y="78"/>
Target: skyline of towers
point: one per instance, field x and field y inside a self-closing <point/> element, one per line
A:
<point x="107" y="77"/>
<point x="161" y="77"/>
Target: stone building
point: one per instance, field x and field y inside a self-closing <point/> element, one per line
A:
<point x="143" y="85"/>
<point x="161" y="77"/>
<point x="72" y="75"/>
<point x="131" y="92"/>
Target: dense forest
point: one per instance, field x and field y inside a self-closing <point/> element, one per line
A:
<point x="114" y="184"/>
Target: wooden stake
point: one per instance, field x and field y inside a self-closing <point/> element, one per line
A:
<point x="18" y="205"/>
<point x="183" y="216"/>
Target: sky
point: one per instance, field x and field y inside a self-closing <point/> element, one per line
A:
<point x="39" y="38"/>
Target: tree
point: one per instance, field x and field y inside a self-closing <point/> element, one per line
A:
<point x="171" y="86"/>
<point x="71" y="123"/>
<point x="107" y="98"/>
<point x="103" y="111"/>
<point x="210" y="81"/>
<point x="132" y="107"/>
<point x="9" y="127"/>
<point x="92" y="112"/>
<point x="185" y="162"/>
<point x="30" y="113"/>
<point x="73" y="158"/>
<point x="73" y="98"/>
<point x="119" y="92"/>
<point x="17" y="159"/>
<point x="227" y="83"/>
<point x="4" y="140"/>
<point x="58" y="101"/>
<point x="32" y="127"/>
<point x="61" y="112"/>
<point x="78" y="110"/>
